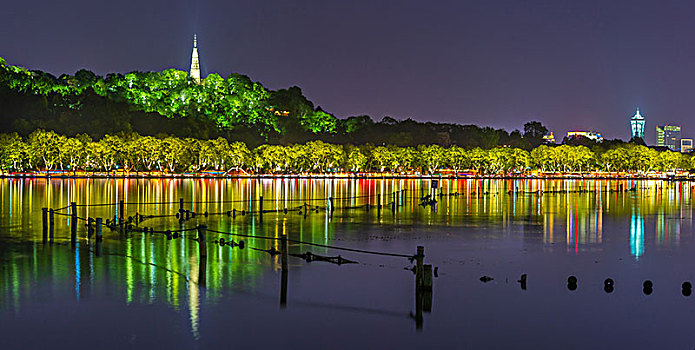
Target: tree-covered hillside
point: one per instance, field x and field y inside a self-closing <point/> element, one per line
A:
<point x="235" y="107"/>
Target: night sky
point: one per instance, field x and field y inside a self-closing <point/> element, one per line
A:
<point x="570" y="64"/>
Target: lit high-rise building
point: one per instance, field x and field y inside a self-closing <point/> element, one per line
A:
<point x="668" y="136"/>
<point x="686" y="145"/>
<point x="637" y="123"/>
<point x="195" y="63"/>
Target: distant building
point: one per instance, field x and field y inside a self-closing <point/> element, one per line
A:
<point x="668" y="136"/>
<point x="549" y="138"/>
<point x="195" y="62"/>
<point x="637" y="124"/>
<point x="686" y="145"/>
<point x="588" y="134"/>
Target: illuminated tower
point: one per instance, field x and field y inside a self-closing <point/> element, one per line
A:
<point x="195" y="63"/>
<point x="637" y="124"/>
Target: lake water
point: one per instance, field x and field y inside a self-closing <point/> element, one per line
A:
<point x="144" y="290"/>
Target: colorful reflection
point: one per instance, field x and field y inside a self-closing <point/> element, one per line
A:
<point x="564" y="213"/>
<point x="636" y="235"/>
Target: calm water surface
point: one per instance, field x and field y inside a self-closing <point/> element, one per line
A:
<point x="147" y="291"/>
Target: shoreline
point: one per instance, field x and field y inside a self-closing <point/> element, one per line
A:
<point x="354" y="176"/>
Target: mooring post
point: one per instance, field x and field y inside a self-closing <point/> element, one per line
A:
<point x="203" y="255"/>
<point x="393" y="204"/>
<point x="181" y="208"/>
<point x="97" y="248"/>
<point x="44" y="219"/>
<point x="419" y="320"/>
<point x="419" y="269"/>
<point x="73" y="223"/>
<point x="260" y="208"/>
<point x="419" y="290"/>
<point x="51" y="226"/>
<point x="283" y="261"/>
<point x="427" y="277"/>
<point x="201" y="241"/>
<point x="330" y="203"/>
<point x="99" y="222"/>
<point x="121" y="210"/>
<point x="427" y="289"/>
<point x="90" y="228"/>
<point x="283" y="251"/>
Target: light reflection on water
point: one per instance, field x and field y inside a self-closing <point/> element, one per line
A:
<point x="581" y="216"/>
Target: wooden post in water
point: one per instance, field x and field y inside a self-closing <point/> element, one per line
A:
<point x="202" y="243"/>
<point x="97" y="249"/>
<point x="427" y="289"/>
<point x="73" y="223"/>
<point x="44" y="219"/>
<point x="203" y="254"/>
<point x="427" y="277"/>
<point x="202" y="270"/>
<point x="260" y="208"/>
<point x="181" y="209"/>
<point x="419" y="269"/>
<point x="283" y="261"/>
<point x="330" y="204"/>
<point x="51" y="225"/>
<point x="90" y="228"/>
<point x="419" y="291"/>
<point x="99" y="223"/>
<point x="121" y="210"/>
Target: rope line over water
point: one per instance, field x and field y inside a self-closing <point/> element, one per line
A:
<point x="314" y="244"/>
<point x="251" y="200"/>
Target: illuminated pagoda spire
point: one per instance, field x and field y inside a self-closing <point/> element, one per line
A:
<point x="637" y="125"/>
<point x="195" y="63"/>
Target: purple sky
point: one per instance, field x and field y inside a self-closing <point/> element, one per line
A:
<point x="570" y="64"/>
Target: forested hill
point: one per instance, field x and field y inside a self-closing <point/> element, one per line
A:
<point x="235" y="107"/>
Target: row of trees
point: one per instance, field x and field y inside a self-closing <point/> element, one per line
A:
<point x="133" y="152"/>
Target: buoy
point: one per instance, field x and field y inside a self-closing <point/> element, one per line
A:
<point x="687" y="289"/>
<point x="572" y="283"/>
<point x="647" y="287"/>
<point x="522" y="281"/>
<point x="608" y="282"/>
